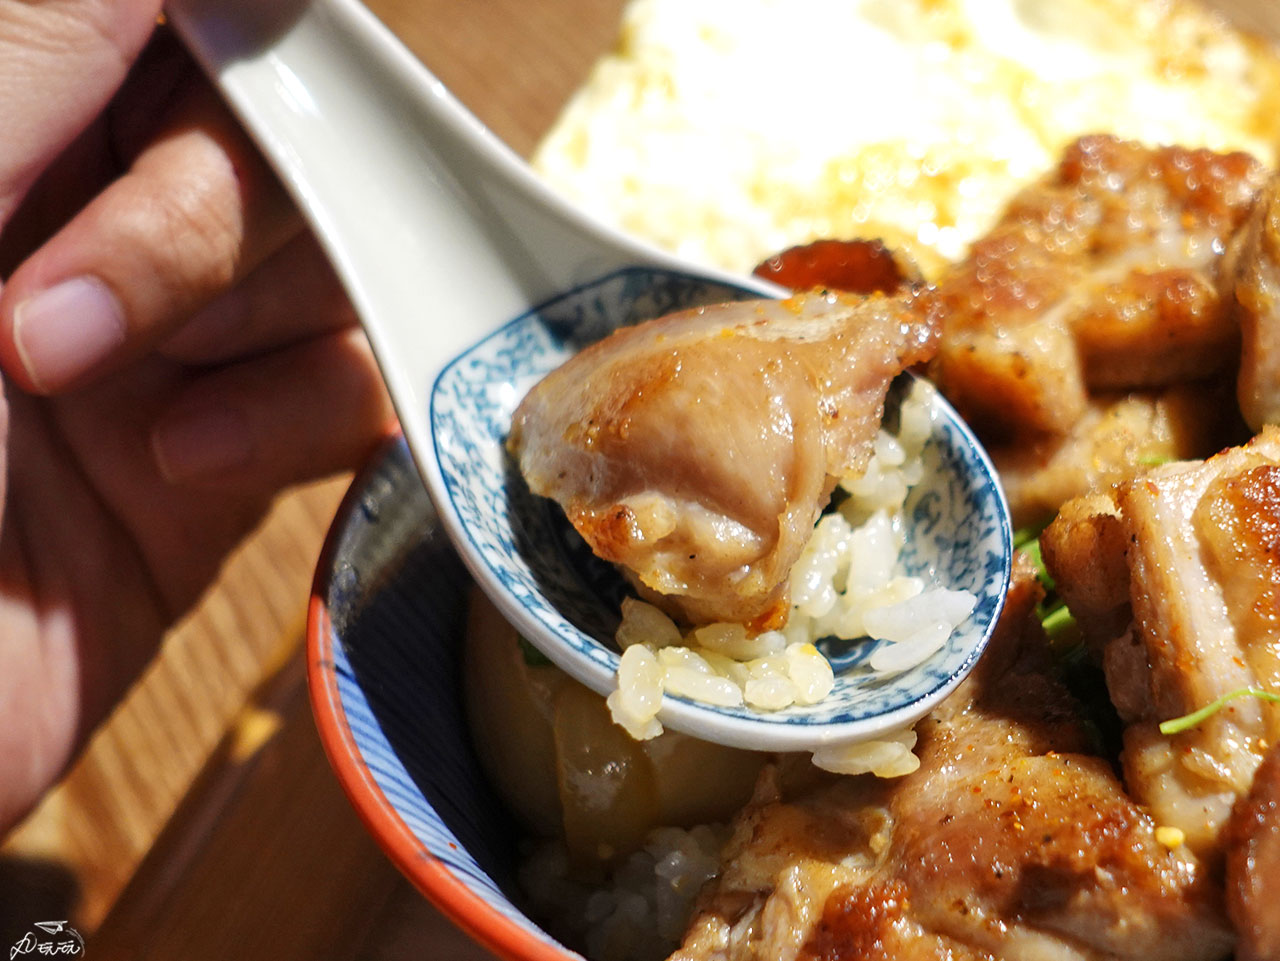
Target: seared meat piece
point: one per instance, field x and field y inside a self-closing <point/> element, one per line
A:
<point x="697" y="450"/>
<point x="1106" y="275"/>
<point x="1086" y="543"/>
<point x="782" y="863"/>
<point x="1010" y="841"/>
<point x="1253" y="865"/>
<point x="1190" y="555"/>
<point x="1258" y="298"/>
<point x="1116" y="438"/>
<point x="853" y="266"/>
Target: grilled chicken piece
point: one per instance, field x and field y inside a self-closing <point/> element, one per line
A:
<point x="1106" y="275"/>
<point x="1009" y="841"/>
<point x="1189" y="556"/>
<point x="1253" y="865"/>
<point x="696" y="451"/>
<point x="1117" y="438"/>
<point x="1258" y="299"/>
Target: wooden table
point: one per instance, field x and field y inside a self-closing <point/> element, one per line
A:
<point x="203" y="820"/>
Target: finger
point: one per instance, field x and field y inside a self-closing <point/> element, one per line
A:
<point x="292" y="296"/>
<point x="158" y="85"/>
<point x="102" y="152"/>
<point x="60" y="63"/>
<point x="75" y="603"/>
<point x="64" y="188"/>
<point x="197" y="209"/>
<point x="304" y="412"/>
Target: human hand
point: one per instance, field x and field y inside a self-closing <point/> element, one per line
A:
<point x="175" y="351"/>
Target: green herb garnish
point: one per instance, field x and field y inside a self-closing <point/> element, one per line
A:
<point x="1179" y="724"/>
<point x="1025" y="536"/>
<point x="1061" y="627"/>
<point x="1082" y="677"/>
<point x="1052" y="610"/>
<point x="1042" y="572"/>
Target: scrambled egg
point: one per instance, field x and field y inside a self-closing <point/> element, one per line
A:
<point x="728" y="130"/>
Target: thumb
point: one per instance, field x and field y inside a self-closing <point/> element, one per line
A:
<point x="60" y="63"/>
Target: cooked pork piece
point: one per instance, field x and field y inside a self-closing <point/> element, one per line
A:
<point x="853" y="266"/>
<point x="1086" y="544"/>
<point x="1188" y="557"/>
<point x="1106" y="275"/>
<point x="697" y="451"/>
<point x="1010" y="841"/>
<point x="1258" y="299"/>
<point x="1253" y="865"/>
<point x="1117" y="437"/>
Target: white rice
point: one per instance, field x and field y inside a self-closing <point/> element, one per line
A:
<point x="848" y="583"/>
<point x="887" y="756"/>
<point x="728" y="131"/>
<point x="641" y="910"/>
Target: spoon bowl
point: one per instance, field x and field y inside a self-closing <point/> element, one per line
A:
<point x="957" y="530"/>
<point x="472" y="280"/>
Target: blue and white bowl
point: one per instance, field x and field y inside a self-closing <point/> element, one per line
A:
<point x="384" y="648"/>
<point x="388" y="612"/>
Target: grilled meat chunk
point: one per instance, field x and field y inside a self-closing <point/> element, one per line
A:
<point x="1109" y="274"/>
<point x="1258" y="309"/>
<point x="1010" y="841"/>
<point x="1116" y="438"/>
<point x="854" y="266"/>
<point x="1253" y="865"/>
<point x="696" y="451"/>
<point x="1191" y="612"/>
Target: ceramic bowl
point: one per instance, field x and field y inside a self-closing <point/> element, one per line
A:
<point x="385" y="633"/>
<point x="384" y="641"/>
<point x="388" y="609"/>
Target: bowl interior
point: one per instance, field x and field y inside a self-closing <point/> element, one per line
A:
<point x="384" y="655"/>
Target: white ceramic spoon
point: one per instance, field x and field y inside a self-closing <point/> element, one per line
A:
<point x="445" y="242"/>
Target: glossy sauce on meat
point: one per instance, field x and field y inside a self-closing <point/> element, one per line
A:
<point x="853" y="266"/>
<point x="696" y="451"/>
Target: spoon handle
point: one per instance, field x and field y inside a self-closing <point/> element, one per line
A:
<point x="438" y="231"/>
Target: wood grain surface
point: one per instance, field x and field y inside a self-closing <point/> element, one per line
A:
<point x="203" y="821"/>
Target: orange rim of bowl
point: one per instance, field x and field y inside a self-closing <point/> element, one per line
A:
<point x="428" y="874"/>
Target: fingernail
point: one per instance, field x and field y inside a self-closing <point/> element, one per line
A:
<point x="67" y="329"/>
<point x="201" y="443"/>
